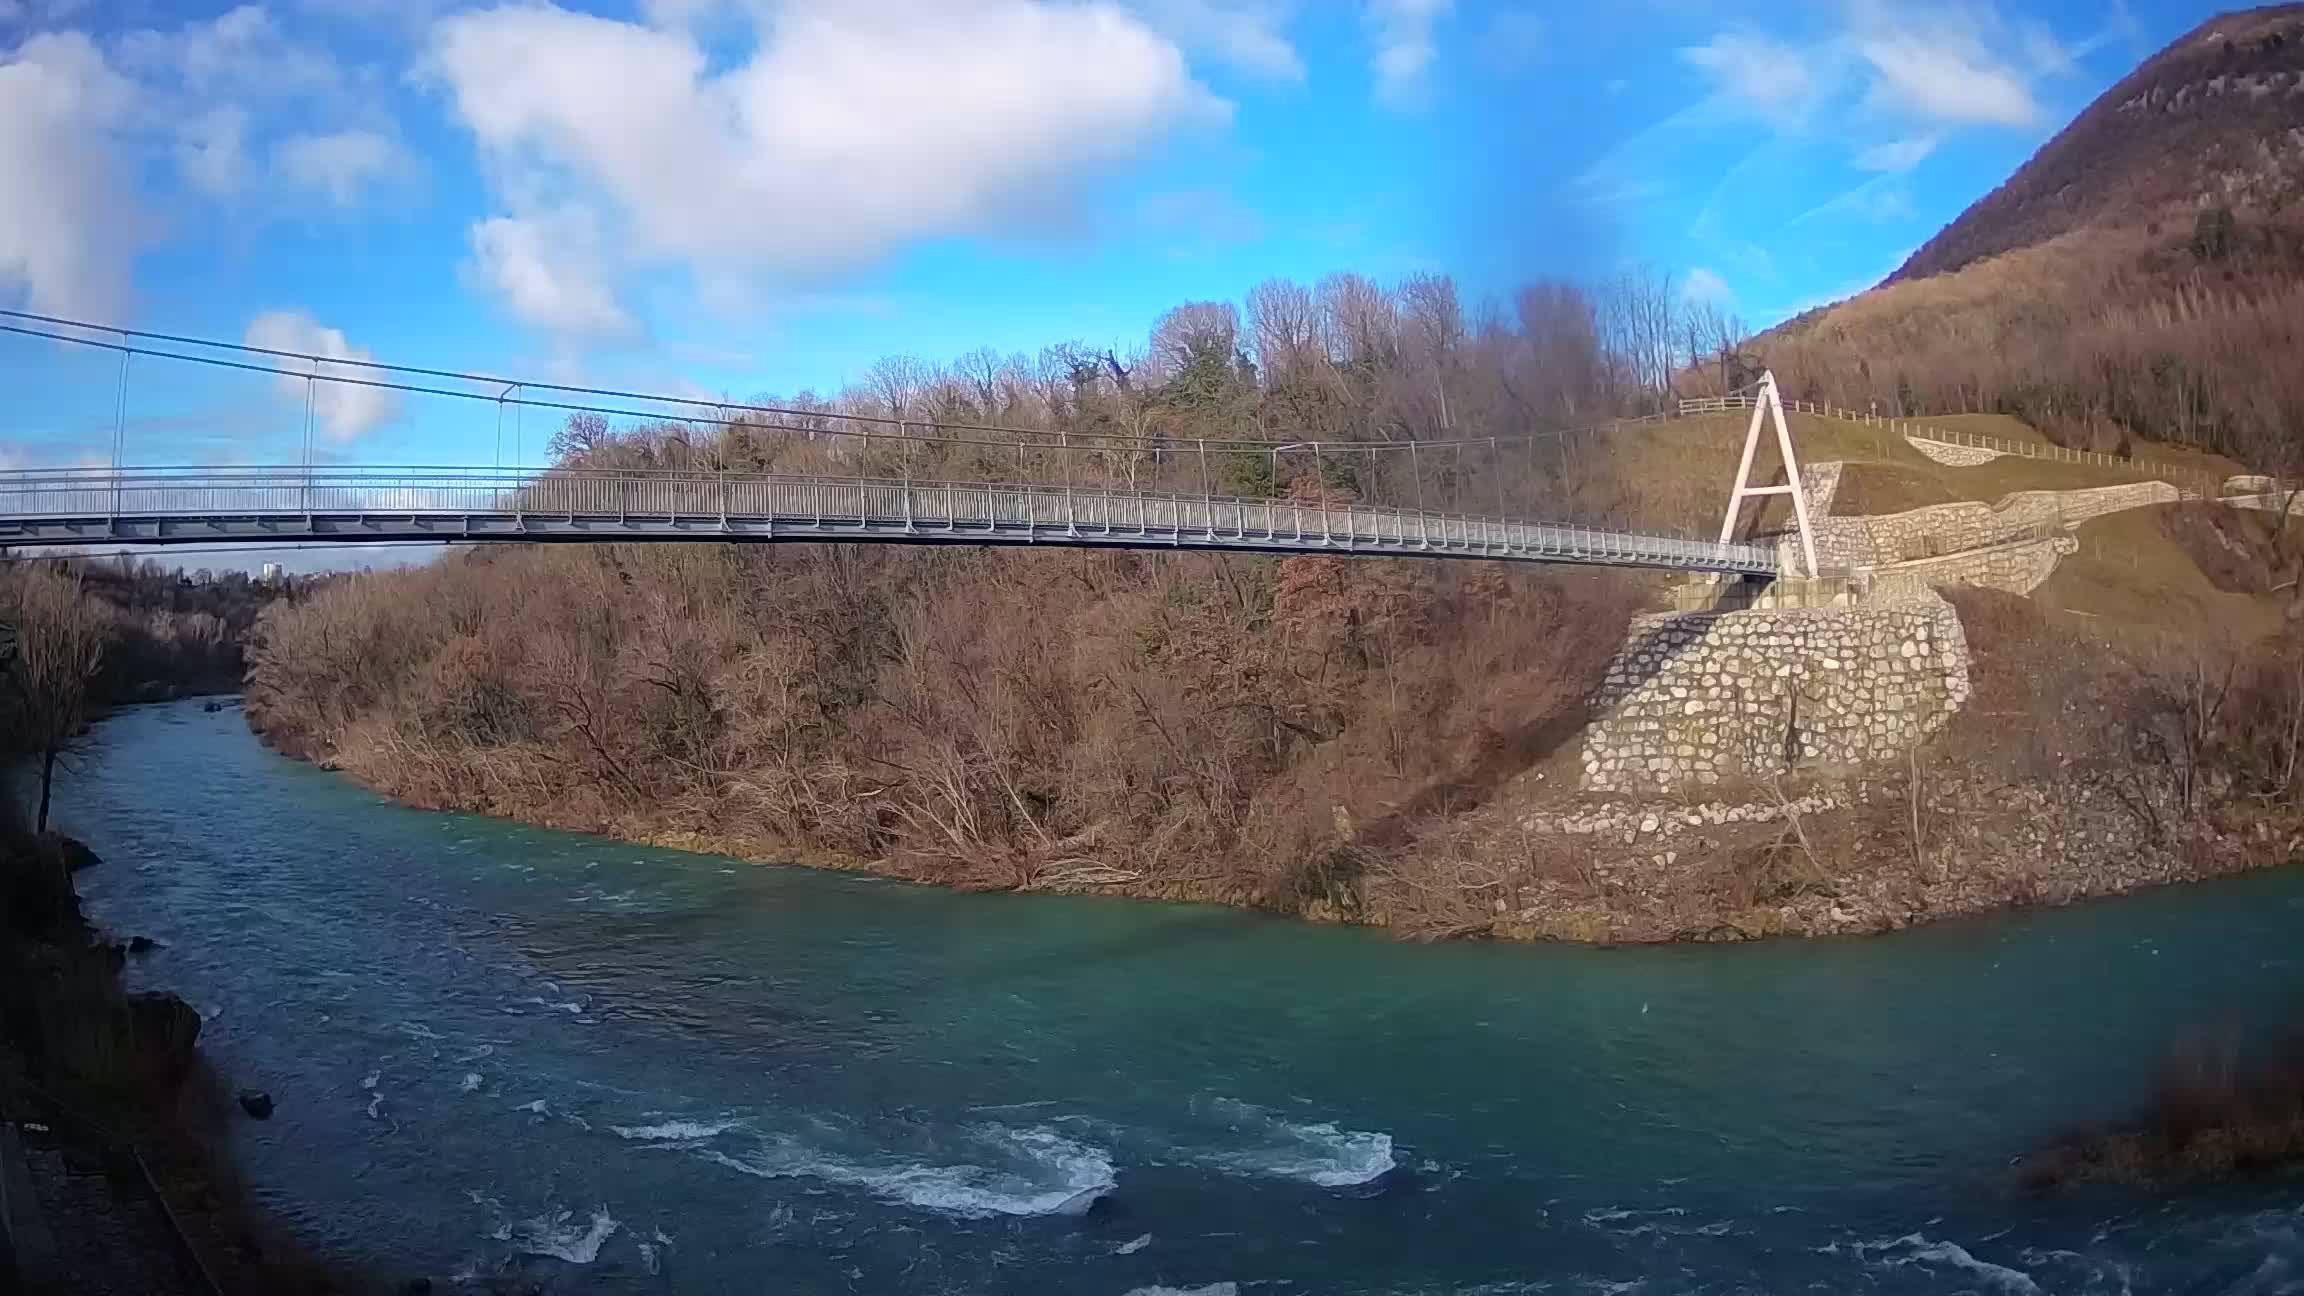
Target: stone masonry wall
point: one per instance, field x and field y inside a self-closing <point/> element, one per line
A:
<point x="1952" y="454"/>
<point x="1820" y="483"/>
<point x="1699" y="699"/>
<point x="1969" y="524"/>
<point x="2017" y="568"/>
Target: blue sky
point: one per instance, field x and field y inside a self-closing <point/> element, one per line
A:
<point x="742" y="197"/>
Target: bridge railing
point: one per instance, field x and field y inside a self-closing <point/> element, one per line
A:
<point x="819" y="504"/>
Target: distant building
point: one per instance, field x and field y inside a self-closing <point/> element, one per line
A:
<point x="269" y="573"/>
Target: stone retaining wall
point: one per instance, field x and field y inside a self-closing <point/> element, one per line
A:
<point x="1820" y="482"/>
<point x="1698" y="699"/>
<point x="1952" y="454"/>
<point x="1940" y="528"/>
<point x="2017" y="568"/>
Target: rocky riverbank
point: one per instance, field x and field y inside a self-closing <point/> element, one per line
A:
<point x="114" y="1122"/>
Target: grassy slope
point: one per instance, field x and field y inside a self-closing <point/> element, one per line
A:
<point x="2136" y="572"/>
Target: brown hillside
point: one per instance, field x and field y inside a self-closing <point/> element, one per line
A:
<point x="2216" y="120"/>
<point x="2140" y="280"/>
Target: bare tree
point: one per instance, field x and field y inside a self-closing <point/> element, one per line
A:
<point x="60" y="634"/>
<point x="1284" y="321"/>
<point x="898" y="383"/>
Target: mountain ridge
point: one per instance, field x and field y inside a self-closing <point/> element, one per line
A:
<point x="2214" y="121"/>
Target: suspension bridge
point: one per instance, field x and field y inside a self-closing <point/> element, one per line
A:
<point x="817" y="475"/>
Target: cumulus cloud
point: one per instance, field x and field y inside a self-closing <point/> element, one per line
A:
<point x="341" y="165"/>
<point x="1405" y="48"/>
<point x="1759" y="73"/>
<point x="70" y="227"/>
<point x="548" y="271"/>
<point x="342" y="412"/>
<point x="853" y="129"/>
<point x="100" y="135"/>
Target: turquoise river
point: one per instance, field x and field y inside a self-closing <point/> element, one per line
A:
<point x="507" y="1053"/>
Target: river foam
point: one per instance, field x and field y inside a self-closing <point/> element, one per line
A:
<point x="558" y="1234"/>
<point x="1316" y="1153"/>
<point x="674" y="1131"/>
<point x="1913" y="1249"/>
<point x="1015" y="1172"/>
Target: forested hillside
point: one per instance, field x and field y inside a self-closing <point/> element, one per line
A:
<point x="2142" y="278"/>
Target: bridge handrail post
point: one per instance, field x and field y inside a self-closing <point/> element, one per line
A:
<point x="1423" y="519"/>
<point x="1320" y="479"/>
<point x="904" y="460"/>
<point x="1064" y="444"/>
<point x="1496" y="470"/>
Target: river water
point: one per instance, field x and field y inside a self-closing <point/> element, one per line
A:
<point x="498" y="1050"/>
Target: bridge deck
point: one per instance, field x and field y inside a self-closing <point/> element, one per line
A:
<point x="145" y="506"/>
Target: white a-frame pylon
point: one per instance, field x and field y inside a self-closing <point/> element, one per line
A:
<point x="1768" y="404"/>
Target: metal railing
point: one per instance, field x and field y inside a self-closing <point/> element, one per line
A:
<point x="1920" y="430"/>
<point x="97" y="505"/>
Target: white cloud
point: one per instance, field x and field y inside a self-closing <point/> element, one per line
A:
<point x="1245" y="34"/>
<point x="1405" y="48"/>
<point x="2048" y="55"/>
<point x="342" y="412"/>
<point x="854" y="129"/>
<point x="341" y="164"/>
<point x="69" y="227"/>
<point x="1760" y="73"/>
<point x="1948" y="82"/>
<point x="548" y="271"/>
<point x="211" y="149"/>
<point x="1896" y="155"/>
<point x="240" y="54"/>
<point x="1706" y="285"/>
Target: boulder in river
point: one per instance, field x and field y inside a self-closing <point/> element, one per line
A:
<point x="256" y="1103"/>
<point x="142" y="944"/>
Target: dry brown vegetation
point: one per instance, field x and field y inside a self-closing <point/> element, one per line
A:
<point x="2218" y="1109"/>
<point x="1201" y="725"/>
<point x="1230" y="727"/>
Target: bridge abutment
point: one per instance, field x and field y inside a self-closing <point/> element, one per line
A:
<point x="1698" y="699"/>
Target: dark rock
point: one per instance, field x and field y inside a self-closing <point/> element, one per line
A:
<point x="142" y="944"/>
<point x="167" y="1030"/>
<point x="76" y="854"/>
<point x="256" y="1103"/>
<point x="212" y="707"/>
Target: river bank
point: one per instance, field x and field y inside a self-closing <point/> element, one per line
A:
<point x="115" y="1123"/>
<point x="1820" y="856"/>
<point x="1368" y="744"/>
